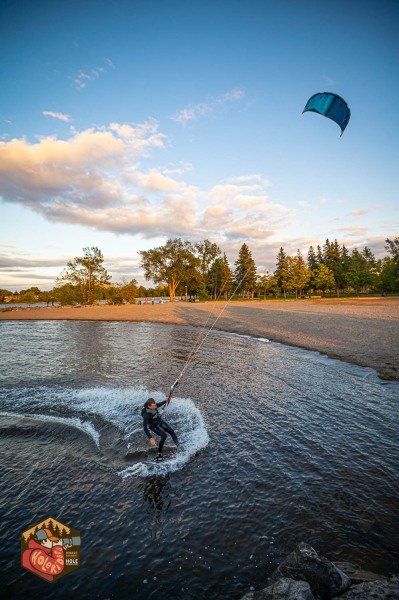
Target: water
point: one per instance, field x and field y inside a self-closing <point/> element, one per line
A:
<point x="280" y="446"/>
<point x="25" y="305"/>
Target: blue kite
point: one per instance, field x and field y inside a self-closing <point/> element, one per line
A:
<point x="331" y="106"/>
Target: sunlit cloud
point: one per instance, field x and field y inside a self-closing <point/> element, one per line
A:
<point x="57" y="115"/>
<point x="100" y="179"/>
<point x="358" y="212"/>
<point x="204" y="109"/>
<point x="95" y="179"/>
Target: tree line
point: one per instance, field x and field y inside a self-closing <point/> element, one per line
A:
<point x="201" y="270"/>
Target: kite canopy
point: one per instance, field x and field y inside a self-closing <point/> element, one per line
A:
<point x="331" y="106"/>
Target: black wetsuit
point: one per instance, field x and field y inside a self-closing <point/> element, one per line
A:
<point x="152" y="420"/>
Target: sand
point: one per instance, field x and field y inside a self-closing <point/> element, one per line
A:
<point x="362" y="331"/>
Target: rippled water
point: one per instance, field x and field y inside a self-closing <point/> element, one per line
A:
<point x="280" y="446"/>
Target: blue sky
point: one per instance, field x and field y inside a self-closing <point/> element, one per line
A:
<point x="124" y="123"/>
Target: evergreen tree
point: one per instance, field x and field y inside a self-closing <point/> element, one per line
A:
<point x="312" y="264"/>
<point x="357" y="270"/>
<point x="245" y="271"/>
<point x="300" y="273"/>
<point x="390" y="267"/>
<point x="220" y="278"/>
<point x="335" y="264"/>
<point x="282" y="271"/>
<point x="388" y="275"/>
<point x="312" y="259"/>
<point x="369" y="275"/>
<point x="346" y="267"/>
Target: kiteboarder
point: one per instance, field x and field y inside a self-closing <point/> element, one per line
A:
<point x="152" y="420"/>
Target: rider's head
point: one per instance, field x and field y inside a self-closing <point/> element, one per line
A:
<point x="150" y="403"/>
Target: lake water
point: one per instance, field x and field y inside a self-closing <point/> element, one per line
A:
<point x="280" y="446"/>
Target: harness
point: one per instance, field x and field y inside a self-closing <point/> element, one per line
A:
<point x="153" y="415"/>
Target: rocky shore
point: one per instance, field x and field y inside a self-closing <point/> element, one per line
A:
<point x="304" y="575"/>
<point x="363" y="331"/>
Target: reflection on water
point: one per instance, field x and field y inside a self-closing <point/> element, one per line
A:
<point x="280" y="446"/>
<point x="156" y="501"/>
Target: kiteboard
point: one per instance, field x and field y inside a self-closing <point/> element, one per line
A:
<point x="166" y="458"/>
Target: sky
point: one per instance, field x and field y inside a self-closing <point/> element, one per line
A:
<point x="124" y="123"/>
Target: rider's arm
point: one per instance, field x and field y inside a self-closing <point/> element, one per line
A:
<point x="161" y="403"/>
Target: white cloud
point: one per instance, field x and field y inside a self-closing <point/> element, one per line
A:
<point x="203" y="109"/>
<point x="83" y="77"/>
<point x="57" y="115"/>
<point x="246" y="178"/>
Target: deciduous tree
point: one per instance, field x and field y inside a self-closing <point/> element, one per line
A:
<point x="86" y="272"/>
<point x="174" y="263"/>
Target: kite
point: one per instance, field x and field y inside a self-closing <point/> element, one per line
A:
<point x="331" y="106"/>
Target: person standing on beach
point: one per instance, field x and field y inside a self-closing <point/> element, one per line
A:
<point x="152" y="420"/>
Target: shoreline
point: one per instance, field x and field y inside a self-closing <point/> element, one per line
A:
<point x="361" y="331"/>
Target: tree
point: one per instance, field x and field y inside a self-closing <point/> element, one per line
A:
<point x="128" y="290"/>
<point x="369" y="275"/>
<point x="245" y="271"/>
<point x="332" y="259"/>
<point x="393" y="248"/>
<point x="266" y="282"/>
<point x="86" y="272"/>
<point x="391" y="264"/>
<point x="388" y="275"/>
<point x="4" y="294"/>
<point x="221" y="277"/>
<point x="362" y="271"/>
<point x="27" y="297"/>
<point x="346" y="267"/>
<point x="207" y="253"/>
<point x="282" y="271"/>
<point x="312" y="258"/>
<point x="324" y="278"/>
<point x="299" y="273"/>
<point x="68" y="294"/>
<point x="174" y="263"/>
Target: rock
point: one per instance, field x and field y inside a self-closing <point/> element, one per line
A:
<point x="283" y="589"/>
<point x="304" y="564"/>
<point x="357" y="574"/>
<point x="388" y="589"/>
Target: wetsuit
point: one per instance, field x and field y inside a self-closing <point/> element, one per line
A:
<point x="152" y="420"/>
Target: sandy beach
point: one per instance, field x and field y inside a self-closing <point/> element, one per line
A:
<point x="362" y="331"/>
